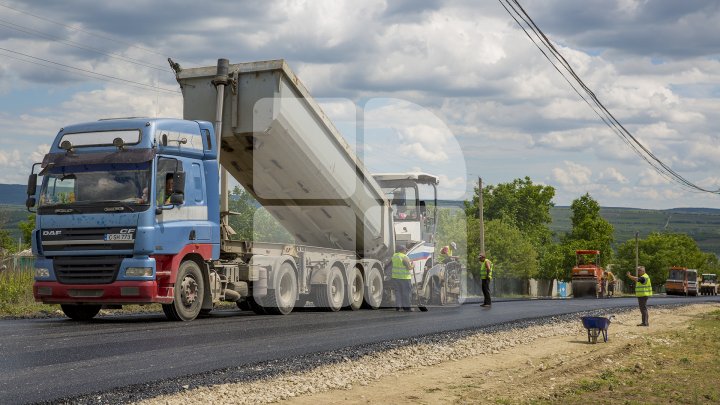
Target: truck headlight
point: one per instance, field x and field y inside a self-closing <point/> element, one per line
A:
<point x="139" y="271"/>
<point x="41" y="272"/>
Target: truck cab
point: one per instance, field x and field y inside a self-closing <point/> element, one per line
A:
<point x="120" y="204"/>
<point x="681" y="281"/>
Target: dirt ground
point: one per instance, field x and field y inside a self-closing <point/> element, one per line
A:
<point x="534" y="371"/>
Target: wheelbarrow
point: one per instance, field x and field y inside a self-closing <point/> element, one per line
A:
<point x="596" y="325"/>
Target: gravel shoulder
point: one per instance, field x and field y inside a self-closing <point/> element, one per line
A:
<point x="507" y="364"/>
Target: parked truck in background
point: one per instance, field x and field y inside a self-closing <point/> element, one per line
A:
<point x="708" y="284"/>
<point x="134" y="211"/>
<point x="681" y="281"/>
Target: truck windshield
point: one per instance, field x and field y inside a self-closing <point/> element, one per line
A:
<point x="126" y="183"/>
<point x="676" y="275"/>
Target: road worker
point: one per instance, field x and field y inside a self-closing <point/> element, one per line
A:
<point x="402" y="278"/>
<point x="643" y="291"/>
<point x="486" y="270"/>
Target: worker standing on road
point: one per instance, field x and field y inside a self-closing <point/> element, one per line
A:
<point x="643" y="291"/>
<point x="402" y="276"/>
<point x="486" y="268"/>
<point x="610" y="278"/>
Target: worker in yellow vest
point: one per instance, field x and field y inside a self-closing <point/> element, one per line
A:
<point x="447" y="253"/>
<point x="402" y="276"/>
<point x="643" y="291"/>
<point x="486" y="269"/>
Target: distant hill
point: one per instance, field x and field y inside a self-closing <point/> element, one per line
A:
<point x="13" y="194"/>
<point x="702" y="224"/>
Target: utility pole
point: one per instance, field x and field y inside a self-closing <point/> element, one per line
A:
<point x="637" y="254"/>
<point x="480" y="216"/>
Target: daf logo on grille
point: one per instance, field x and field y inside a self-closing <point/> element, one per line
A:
<point x="52" y="233"/>
<point x="113" y="209"/>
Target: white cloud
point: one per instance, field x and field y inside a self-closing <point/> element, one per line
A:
<point x="572" y="175"/>
<point x="612" y="175"/>
<point x="650" y="177"/>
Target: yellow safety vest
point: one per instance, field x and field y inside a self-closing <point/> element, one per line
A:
<point x="399" y="271"/>
<point x="643" y="290"/>
<point x="484" y="273"/>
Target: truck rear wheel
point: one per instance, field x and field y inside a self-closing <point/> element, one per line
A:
<point x="281" y="299"/>
<point x="330" y="296"/>
<point x="80" y="312"/>
<point x="356" y="290"/>
<point x="373" y="288"/>
<point x="189" y="292"/>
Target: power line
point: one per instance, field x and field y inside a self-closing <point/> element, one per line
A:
<point x="17" y="27"/>
<point x="82" y="30"/>
<point x="597" y="106"/>
<point x="85" y="72"/>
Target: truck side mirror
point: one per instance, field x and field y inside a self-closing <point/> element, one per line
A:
<point x="32" y="185"/>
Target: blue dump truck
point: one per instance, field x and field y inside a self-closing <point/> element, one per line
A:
<point x="134" y="211"/>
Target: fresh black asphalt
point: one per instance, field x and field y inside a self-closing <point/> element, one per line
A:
<point x="52" y="360"/>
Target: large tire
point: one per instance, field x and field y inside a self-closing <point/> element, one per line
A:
<point x="373" y="295"/>
<point x="356" y="290"/>
<point x="330" y="296"/>
<point x="80" y="312"/>
<point x="189" y="292"/>
<point x="281" y="299"/>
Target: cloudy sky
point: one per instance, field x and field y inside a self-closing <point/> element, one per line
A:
<point x="453" y="88"/>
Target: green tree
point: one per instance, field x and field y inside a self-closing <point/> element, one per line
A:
<point x="512" y="254"/>
<point x="250" y="221"/>
<point x="589" y="231"/>
<point x="243" y="207"/>
<point x="26" y="228"/>
<point x="660" y="251"/>
<point x="522" y="203"/>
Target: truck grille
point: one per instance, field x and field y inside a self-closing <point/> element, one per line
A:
<point x="87" y="269"/>
<point x="84" y="239"/>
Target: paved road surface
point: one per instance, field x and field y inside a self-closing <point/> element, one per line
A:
<point x="47" y="359"/>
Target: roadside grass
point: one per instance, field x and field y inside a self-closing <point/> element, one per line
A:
<point x="673" y="367"/>
<point x="16" y="298"/>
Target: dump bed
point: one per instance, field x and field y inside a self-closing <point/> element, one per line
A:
<point x="278" y="143"/>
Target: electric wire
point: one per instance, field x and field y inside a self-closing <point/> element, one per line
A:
<point x="30" y="31"/>
<point x="605" y="120"/>
<point x="85" y="72"/>
<point x="605" y="115"/>
<point x="82" y="30"/>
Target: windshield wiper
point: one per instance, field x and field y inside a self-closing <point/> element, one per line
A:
<point x="121" y="203"/>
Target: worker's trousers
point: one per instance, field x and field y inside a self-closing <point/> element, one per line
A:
<point x="642" y="302"/>
<point x="486" y="291"/>
<point x="402" y="294"/>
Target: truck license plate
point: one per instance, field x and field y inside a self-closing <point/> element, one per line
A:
<point x="118" y="236"/>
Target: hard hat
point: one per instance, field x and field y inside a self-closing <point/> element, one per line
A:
<point x="454" y="246"/>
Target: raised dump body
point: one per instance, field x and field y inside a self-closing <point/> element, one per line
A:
<point x="278" y="143"/>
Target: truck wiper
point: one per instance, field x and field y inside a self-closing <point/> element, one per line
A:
<point x="121" y="203"/>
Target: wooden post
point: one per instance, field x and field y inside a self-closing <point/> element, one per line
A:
<point x="480" y="216"/>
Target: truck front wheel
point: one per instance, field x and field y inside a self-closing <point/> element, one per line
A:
<point x="189" y="290"/>
<point x="80" y="312"/>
